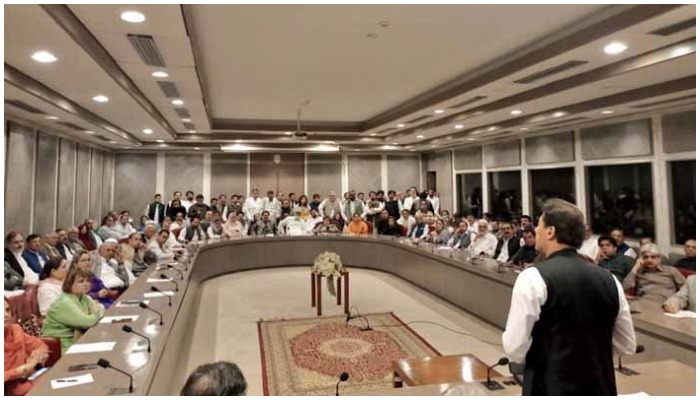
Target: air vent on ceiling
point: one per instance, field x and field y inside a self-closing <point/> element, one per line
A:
<point x="422" y="117"/>
<point x="182" y="113"/>
<point x="563" y="121"/>
<point x="551" y="71"/>
<point x="658" y="103"/>
<point x="169" y="89"/>
<point x="468" y="101"/>
<point x="674" y="28"/>
<point x="72" y="126"/>
<point x="188" y="125"/>
<point x="147" y="49"/>
<point x="24" y="106"/>
<point x="386" y="130"/>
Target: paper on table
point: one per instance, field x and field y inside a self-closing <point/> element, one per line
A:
<point x="682" y="314"/>
<point x="121" y="318"/>
<point x="151" y="295"/>
<point x="91" y="347"/>
<point x="122" y="304"/>
<point x="72" y="381"/>
<point x="157" y="280"/>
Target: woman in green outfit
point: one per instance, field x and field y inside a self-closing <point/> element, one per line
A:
<point x="74" y="311"/>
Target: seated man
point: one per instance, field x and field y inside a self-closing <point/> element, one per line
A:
<point x="293" y="225"/>
<point x="32" y="254"/>
<point x="527" y="253"/>
<point x="193" y="232"/>
<point x="111" y="271"/>
<point x="265" y="226"/>
<point x="159" y="248"/>
<point x="216" y="379"/>
<point x="589" y="247"/>
<point x="651" y="280"/>
<point x="406" y="221"/>
<point x="483" y="243"/>
<point x="48" y="245"/>
<point x="619" y="235"/>
<point x="612" y="260"/>
<point x="461" y="238"/>
<point x="684" y="299"/>
<point x="689" y="261"/>
<point x="420" y="230"/>
<point x="508" y="245"/>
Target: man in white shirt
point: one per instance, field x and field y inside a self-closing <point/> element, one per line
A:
<point x="589" y="247"/>
<point x="14" y="247"/>
<point x="123" y="227"/>
<point x="272" y="205"/>
<point x="564" y="312"/>
<point x="330" y="206"/>
<point x="159" y="248"/>
<point x="483" y="243"/>
<point x="293" y="225"/>
<point x="434" y="200"/>
<point x="188" y="201"/>
<point x="315" y="219"/>
<point x="103" y="266"/>
<point x="408" y="201"/>
<point x="508" y="245"/>
<point x="253" y="205"/>
<point x="406" y="220"/>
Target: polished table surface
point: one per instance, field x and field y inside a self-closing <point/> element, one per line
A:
<point x="451" y="276"/>
<point x="441" y="369"/>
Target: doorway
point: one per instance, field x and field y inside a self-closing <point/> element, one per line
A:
<point x="431" y="180"/>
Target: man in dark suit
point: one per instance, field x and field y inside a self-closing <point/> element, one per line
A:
<point x="508" y="245"/>
<point x="32" y="255"/>
<point x="462" y="237"/>
<point x="156" y="210"/>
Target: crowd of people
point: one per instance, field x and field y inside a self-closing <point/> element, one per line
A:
<point x="80" y="271"/>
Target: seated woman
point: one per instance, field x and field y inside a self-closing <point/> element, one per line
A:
<point x="326" y="226"/>
<point x="52" y="277"/>
<point x="390" y="229"/>
<point x="338" y="221"/>
<point x="142" y="223"/>
<point x="303" y="208"/>
<point x="98" y="291"/>
<point x="233" y="227"/>
<point x="74" y="311"/>
<point x="440" y="235"/>
<point x="23" y="353"/>
<point x="357" y="226"/>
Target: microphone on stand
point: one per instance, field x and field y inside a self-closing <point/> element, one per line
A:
<point x="179" y="271"/>
<point x="128" y="329"/>
<point x="343" y="377"/>
<point x="163" y="276"/>
<point x="155" y="289"/>
<point x="493" y="385"/>
<point x="105" y="364"/>
<point x="145" y="306"/>
<point x="624" y="370"/>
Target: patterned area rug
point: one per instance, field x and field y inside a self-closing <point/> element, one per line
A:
<point x="304" y="357"/>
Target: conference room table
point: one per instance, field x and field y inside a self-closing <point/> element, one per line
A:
<point x="476" y="286"/>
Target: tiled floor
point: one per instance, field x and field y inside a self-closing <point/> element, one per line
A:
<point x="231" y="305"/>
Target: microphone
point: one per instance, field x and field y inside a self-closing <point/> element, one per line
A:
<point x="179" y="271"/>
<point x="624" y="370"/>
<point x="493" y="385"/>
<point x="163" y="276"/>
<point x="128" y="329"/>
<point x="155" y="289"/>
<point x="145" y="306"/>
<point x="105" y="364"/>
<point x="343" y="377"/>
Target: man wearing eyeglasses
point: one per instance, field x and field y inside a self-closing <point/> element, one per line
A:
<point x="651" y="280"/>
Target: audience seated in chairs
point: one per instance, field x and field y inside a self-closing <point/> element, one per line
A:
<point x="688" y="262"/>
<point x="51" y="283"/>
<point x="48" y="245"/>
<point x="462" y="237"/>
<point x="216" y="379"/>
<point x="650" y="280"/>
<point x="326" y="227"/>
<point x="32" y="253"/>
<point x="357" y="226"/>
<point x="611" y="259"/>
<point x="98" y="291"/>
<point x="508" y="245"/>
<point x="420" y="229"/>
<point x="684" y="299"/>
<point x="440" y="235"/>
<point x="527" y="254"/>
<point x="619" y="235"/>
<point x="74" y="311"/>
<point x="14" y="248"/>
<point x="483" y="243"/>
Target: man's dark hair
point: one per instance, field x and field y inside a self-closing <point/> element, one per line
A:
<point x="199" y="196"/>
<point x="566" y="219"/>
<point x="392" y="192"/>
<point x="529" y="230"/>
<point x="607" y="238"/>
<point x="32" y="237"/>
<point x="188" y="192"/>
<point x="51" y="264"/>
<point x="157" y="195"/>
<point x="162" y="231"/>
<point x="215" y="379"/>
<point x="529" y="218"/>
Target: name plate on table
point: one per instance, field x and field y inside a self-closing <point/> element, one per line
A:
<point x="80" y="348"/>
<point x="71" y="381"/>
<point x="151" y="295"/>
<point x="119" y="319"/>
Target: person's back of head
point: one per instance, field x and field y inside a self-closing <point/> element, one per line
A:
<point x="216" y="379"/>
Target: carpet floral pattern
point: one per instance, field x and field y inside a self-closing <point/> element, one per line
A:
<point x="306" y="356"/>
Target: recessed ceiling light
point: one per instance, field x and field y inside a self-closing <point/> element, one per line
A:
<point x="329" y="142"/>
<point x="559" y="114"/>
<point x="420" y="136"/>
<point x="148" y="131"/>
<point x="193" y="131"/>
<point x="51" y="117"/>
<point x="607" y="112"/>
<point x="524" y="128"/>
<point x="373" y="134"/>
<point x="177" y="102"/>
<point x="113" y="141"/>
<point x="400" y="125"/>
<point x="100" y="98"/>
<point x="186" y="120"/>
<point x="133" y="17"/>
<point x="439" y="111"/>
<point x="681" y="51"/>
<point x="160" y="141"/>
<point x="44" y="57"/>
<point x="89" y="132"/>
<point x="288" y="133"/>
<point x="357" y="149"/>
<point x="395" y="144"/>
<point x="449" y="138"/>
<point x="163" y="145"/>
<point x="459" y="126"/>
<point x="615" y="48"/>
<point x="471" y="139"/>
<point x="238" y="140"/>
<point x="493" y="128"/>
<point x="160" y="74"/>
<point x="433" y="146"/>
<point x="516" y="112"/>
<point x="197" y="148"/>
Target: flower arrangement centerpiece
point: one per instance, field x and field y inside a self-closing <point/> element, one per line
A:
<point x="328" y="264"/>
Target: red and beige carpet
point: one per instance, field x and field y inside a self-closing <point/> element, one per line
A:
<point x="304" y="357"/>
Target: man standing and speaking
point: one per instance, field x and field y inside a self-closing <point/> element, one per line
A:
<point x="567" y="315"/>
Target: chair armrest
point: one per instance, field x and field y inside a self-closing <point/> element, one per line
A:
<point x="54" y="345"/>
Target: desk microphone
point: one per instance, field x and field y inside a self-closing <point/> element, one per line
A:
<point x="155" y="289"/>
<point x="163" y="276"/>
<point x="493" y="385"/>
<point x="145" y="306"/>
<point x="128" y="329"/>
<point x="624" y="370"/>
<point x="105" y="364"/>
<point x="343" y="377"/>
<point x="179" y="271"/>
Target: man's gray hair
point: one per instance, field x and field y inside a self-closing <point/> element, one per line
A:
<point x="650" y="248"/>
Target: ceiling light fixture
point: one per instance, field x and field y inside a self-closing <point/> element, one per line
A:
<point x="186" y="120"/>
<point x="177" y="102"/>
<point x="373" y="134"/>
<point x="524" y="128"/>
<point x="44" y="57"/>
<point x="160" y="141"/>
<point x="197" y="148"/>
<point x="493" y="128"/>
<point x="148" y="131"/>
<point x="288" y="133"/>
<point x="615" y="48"/>
<point x="133" y="17"/>
<point x="51" y="117"/>
<point x="681" y="51"/>
<point x="516" y="112"/>
<point x="238" y="140"/>
<point x="113" y="141"/>
<point x="459" y="126"/>
<point x="432" y="146"/>
<point x="160" y="74"/>
<point x="90" y="132"/>
<point x="607" y="112"/>
<point x="193" y="131"/>
<point x="420" y="136"/>
<point x="400" y="125"/>
<point x="559" y="114"/>
<point x="163" y="145"/>
<point x="395" y="144"/>
<point x="439" y="111"/>
<point x="100" y="98"/>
